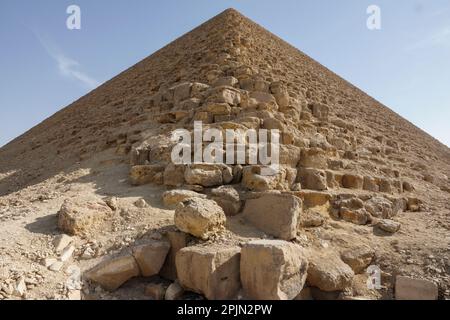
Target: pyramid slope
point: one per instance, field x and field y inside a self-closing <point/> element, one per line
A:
<point x="108" y="113"/>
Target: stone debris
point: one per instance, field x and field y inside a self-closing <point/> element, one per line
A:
<point x="61" y="242"/>
<point x="272" y="270"/>
<point x="67" y="253"/>
<point x="212" y="271"/>
<point x="199" y="217"/>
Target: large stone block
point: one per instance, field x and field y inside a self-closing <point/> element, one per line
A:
<point x="328" y="272"/>
<point x="208" y="175"/>
<point x="228" y="199"/>
<point x="212" y="271"/>
<point x="143" y="174"/>
<point x="314" y="158"/>
<point x="353" y="181"/>
<point x="173" y="198"/>
<point x="151" y="256"/>
<point x="81" y="217"/>
<point x="178" y="240"/>
<point x="112" y="273"/>
<point x="199" y="217"/>
<point x="272" y="270"/>
<point x="174" y="175"/>
<point x="275" y="214"/>
<point x="312" y="179"/>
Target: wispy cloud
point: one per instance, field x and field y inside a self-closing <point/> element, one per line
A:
<point x="439" y="38"/>
<point x="67" y="67"/>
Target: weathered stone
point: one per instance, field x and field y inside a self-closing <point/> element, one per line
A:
<point x="380" y="207"/>
<point x="358" y="258"/>
<point x="225" y="95"/>
<point x="389" y="226"/>
<point x="174" y="175"/>
<point x="228" y="199"/>
<point x="370" y="184"/>
<point x="174" y="197"/>
<point x="144" y="174"/>
<point x="311" y="219"/>
<point x="272" y="270"/>
<point x="141" y="203"/>
<point x="77" y="218"/>
<point x="359" y="216"/>
<point x="305" y="295"/>
<point x="262" y="97"/>
<point x="178" y="240"/>
<point x="289" y="155"/>
<point x="181" y="92"/>
<point x="151" y="256"/>
<point x="312" y="179"/>
<point x="56" y="266"/>
<point x="254" y="181"/>
<point x="218" y="109"/>
<point x="275" y="214"/>
<point x="199" y="217"/>
<point x="385" y="185"/>
<point x="207" y="175"/>
<point x="320" y="111"/>
<point x="226" y="81"/>
<point x="174" y="292"/>
<point x="67" y="253"/>
<point x="314" y="158"/>
<point x="113" y="273"/>
<point x="413" y="204"/>
<point x="328" y="272"/>
<point x="61" y="242"/>
<point x="352" y="181"/>
<point x="212" y="271"/>
<point x="155" y="291"/>
<point x="415" y="289"/>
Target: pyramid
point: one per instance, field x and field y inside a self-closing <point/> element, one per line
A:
<point x="345" y="159"/>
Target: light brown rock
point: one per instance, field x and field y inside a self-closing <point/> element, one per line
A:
<point x="199" y="217"/>
<point x="328" y="272"/>
<point x="113" y="273"/>
<point x="272" y="270"/>
<point x="212" y="271"/>
<point x="275" y="214"/>
<point x="81" y="217"/>
<point x="178" y="240"/>
<point x="173" y="198"/>
<point x="151" y="256"/>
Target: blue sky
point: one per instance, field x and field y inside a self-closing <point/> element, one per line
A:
<point x="44" y="66"/>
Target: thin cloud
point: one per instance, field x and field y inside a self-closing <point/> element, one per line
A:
<point x="68" y="67"/>
<point x="439" y="38"/>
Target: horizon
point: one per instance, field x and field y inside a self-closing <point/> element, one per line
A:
<point x="75" y="82"/>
